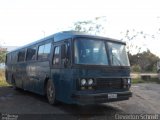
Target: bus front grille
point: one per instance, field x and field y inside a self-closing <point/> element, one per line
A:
<point x="108" y="83"/>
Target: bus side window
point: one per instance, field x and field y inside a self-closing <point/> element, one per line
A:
<point x="68" y="52"/>
<point x="14" y="57"/>
<point x="47" y="49"/>
<point x="44" y="51"/>
<point x="31" y="53"/>
<point x="8" y="58"/>
<point x="21" y="56"/>
<point x="56" y="56"/>
<point x="40" y="52"/>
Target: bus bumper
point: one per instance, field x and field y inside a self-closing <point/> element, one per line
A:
<point x="101" y="97"/>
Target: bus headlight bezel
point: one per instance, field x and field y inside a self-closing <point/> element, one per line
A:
<point x="83" y="82"/>
<point x="126" y="82"/>
<point x="90" y="81"/>
<point x="129" y="81"/>
<point x="86" y="84"/>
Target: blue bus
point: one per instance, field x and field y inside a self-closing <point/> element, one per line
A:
<point x="72" y="67"/>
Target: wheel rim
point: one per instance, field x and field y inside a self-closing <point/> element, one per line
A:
<point x="50" y="93"/>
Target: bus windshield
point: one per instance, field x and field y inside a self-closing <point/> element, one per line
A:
<point x="118" y="54"/>
<point x="90" y="52"/>
<point x="93" y="52"/>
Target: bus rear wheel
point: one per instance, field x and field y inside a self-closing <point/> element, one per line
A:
<point x="50" y="92"/>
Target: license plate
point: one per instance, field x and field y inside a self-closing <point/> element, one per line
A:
<point x="111" y="96"/>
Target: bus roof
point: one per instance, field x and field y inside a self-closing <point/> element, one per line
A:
<point x="66" y="35"/>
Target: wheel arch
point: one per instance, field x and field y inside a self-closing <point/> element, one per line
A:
<point x="45" y="84"/>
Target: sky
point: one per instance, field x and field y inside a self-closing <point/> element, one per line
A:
<point x="24" y="21"/>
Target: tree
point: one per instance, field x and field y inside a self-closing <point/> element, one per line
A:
<point x="146" y="60"/>
<point x="94" y="26"/>
<point x="3" y="52"/>
<point x="131" y="36"/>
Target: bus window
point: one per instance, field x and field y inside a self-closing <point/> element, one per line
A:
<point x="47" y="49"/>
<point x="44" y="51"/>
<point x="40" y="52"/>
<point x="118" y="54"/>
<point x="8" y="58"/>
<point x="56" y="57"/>
<point x="21" y="56"/>
<point x="31" y="53"/>
<point x="88" y="51"/>
<point x="14" y="57"/>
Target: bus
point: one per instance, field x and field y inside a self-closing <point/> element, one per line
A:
<point x="72" y="67"/>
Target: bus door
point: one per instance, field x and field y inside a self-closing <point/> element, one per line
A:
<point x="66" y="71"/>
<point x="55" y="72"/>
<point x="62" y="73"/>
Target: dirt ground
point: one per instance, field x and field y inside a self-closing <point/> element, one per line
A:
<point x="145" y="100"/>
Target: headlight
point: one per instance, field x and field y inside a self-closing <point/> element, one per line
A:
<point x="90" y="81"/>
<point x="129" y="81"/>
<point x="83" y="82"/>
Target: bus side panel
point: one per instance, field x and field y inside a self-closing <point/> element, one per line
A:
<point x="37" y="72"/>
<point x="43" y="72"/>
<point x="55" y="76"/>
<point x="63" y="84"/>
<point x="30" y="75"/>
<point x="20" y="74"/>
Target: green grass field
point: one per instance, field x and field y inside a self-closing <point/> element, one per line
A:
<point x="139" y="80"/>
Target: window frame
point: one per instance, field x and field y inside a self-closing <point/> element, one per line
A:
<point x="22" y="50"/>
<point x="54" y="55"/>
<point x="105" y="46"/>
<point x="33" y="55"/>
<point x="39" y="56"/>
<point x="48" y="55"/>
<point x="9" y="58"/>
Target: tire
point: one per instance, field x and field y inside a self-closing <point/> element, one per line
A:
<point x="50" y="93"/>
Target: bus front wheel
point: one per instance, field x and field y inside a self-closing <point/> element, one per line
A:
<point x="50" y="92"/>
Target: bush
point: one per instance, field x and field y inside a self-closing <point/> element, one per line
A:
<point x="136" y="68"/>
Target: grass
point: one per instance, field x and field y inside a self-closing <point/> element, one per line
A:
<point x="139" y="80"/>
<point x="2" y="79"/>
<point x="145" y="78"/>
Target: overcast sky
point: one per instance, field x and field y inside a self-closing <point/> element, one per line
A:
<point x="24" y="21"/>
